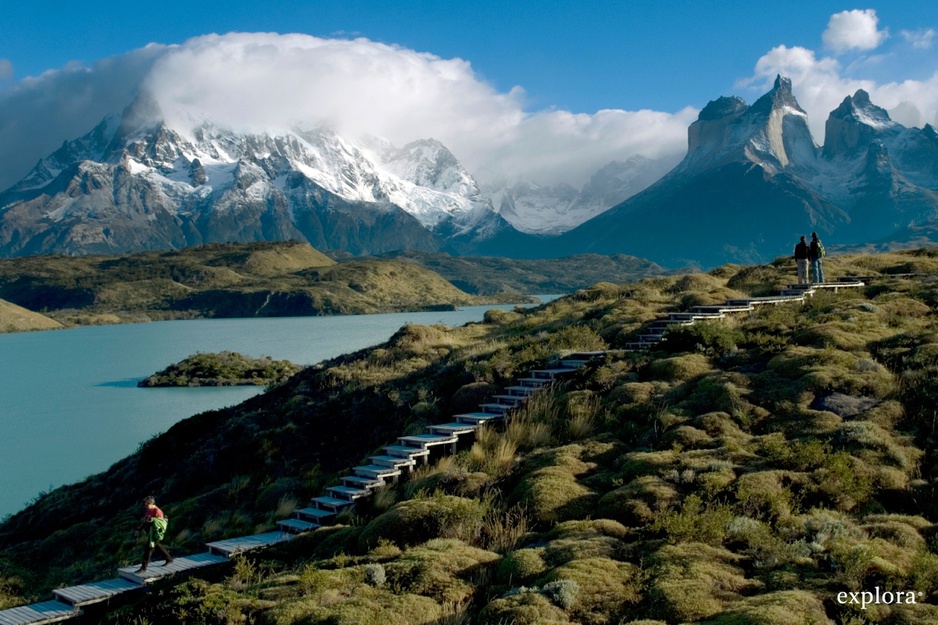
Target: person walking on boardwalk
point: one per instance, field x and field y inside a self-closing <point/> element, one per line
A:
<point x="801" y="259"/>
<point x="815" y="254"/>
<point x="156" y="523"/>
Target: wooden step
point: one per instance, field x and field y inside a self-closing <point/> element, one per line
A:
<point x="722" y="308"/>
<point x="636" y="346"/>
<point x="587" y="355"/>
<point x="769" y="299"/>
<point x="510" y="400"/>
<point x="573" y="364"/>
<point x="157" y="570"/>
<point x="455" y="427"/>
<point x="425" y="441"/>
<point x="376" y="472"/>
<point x="698" y="316"/>
<point x="94" y="592"/>
<point x="331" y="503"/>
<point x="36" y="613"/>
<point x="406" y="452"/>
<point x="356" y="481"/>
<point x="478" y="418"/>
<point x="395" y="462"/>
<point x="521" y="391"/>
<point x="348" y="493"/>
<point x="495" y="408"/>
<point x="233" y="546"/>
<point x="534" y="382"/>
<point x="316" y="515"/>
<point x="549" y="374"/>
<point x="297" y="526"/>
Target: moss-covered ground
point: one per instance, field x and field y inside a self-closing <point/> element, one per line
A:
<point x="747" y="473"/>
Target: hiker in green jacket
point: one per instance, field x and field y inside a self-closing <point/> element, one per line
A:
<point x="156" y="523"/>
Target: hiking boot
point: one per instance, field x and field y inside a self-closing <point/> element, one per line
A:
<point x="168" y="562"/>
<point x="142" y="569"/>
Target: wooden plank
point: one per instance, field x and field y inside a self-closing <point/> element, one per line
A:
<point x="233" y="546"/>
<point x="297" y="526"/>
<point x="94" y="592"/>
<point x="45" y="612"/>
<point x="159" y="570"/>
<point x="313" y="513"/>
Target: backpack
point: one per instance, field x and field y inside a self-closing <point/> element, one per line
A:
<point x="820" y="249"/>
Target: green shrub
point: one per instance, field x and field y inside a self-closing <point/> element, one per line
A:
<point x="444" y="569"/>
<point x="693" y="581"/>
<point x="521" y="566"/>
<point x="552" y="492"/>
<point x="639" y="501"/>
<point x="790" y="607"/>
<point x="356" y="605"/>
<point x="421" y="519"/>
<point x="714" y="338"/>
<point x="605" y="588"/>
<point x="694" y="521"/>
<point x="679" y="368"/>
<point x="522" y="608"/>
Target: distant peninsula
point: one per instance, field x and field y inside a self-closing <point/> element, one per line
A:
<point x="224" y="280"/>
<point x="222" y="369"/>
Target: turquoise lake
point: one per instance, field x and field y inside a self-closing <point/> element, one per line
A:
<point x="70" y="407"/>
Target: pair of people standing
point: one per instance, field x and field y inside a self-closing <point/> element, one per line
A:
<point x="812" y="253"/>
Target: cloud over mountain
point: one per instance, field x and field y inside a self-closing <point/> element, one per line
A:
<point x="821" y="81"/>
<point x="266" y="81"/>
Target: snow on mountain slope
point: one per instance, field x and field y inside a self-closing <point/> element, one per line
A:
<point x="552" y="210"/>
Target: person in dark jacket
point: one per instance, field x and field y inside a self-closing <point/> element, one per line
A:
<point x="156" y="523"/>
<point x="801" y="259"/>
<point x="815" y="254"/>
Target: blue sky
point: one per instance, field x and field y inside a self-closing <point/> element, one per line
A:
<point x="579" y="56"/>
<point x="670" y="57"/>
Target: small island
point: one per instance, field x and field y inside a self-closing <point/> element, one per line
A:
<point x="222" y="369"/>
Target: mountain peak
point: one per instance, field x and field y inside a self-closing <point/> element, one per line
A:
<point x="772" y="132"/>
<point x="855" y="124"/>
<point x="723" y="107"/>
<point x="779" y="97"/>
<point x="141" y="114"/>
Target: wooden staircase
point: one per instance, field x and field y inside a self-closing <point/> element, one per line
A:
<point x="399" y="458"/>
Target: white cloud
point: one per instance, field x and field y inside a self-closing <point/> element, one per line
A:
<point x="921" y="39"/>
<point x="820" y="85"/>
<point x="853" y="30"/>
<point x="264" y="81"/>
<point x="38" y="113"/>
<point x="6" y="69"/>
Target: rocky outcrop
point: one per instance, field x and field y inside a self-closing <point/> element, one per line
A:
<point x="754" y="180"/>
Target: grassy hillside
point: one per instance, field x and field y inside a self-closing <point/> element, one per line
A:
<point x="745" y="474"/>
<point x="219" y="280"/>
<point x="485" y="275"/>
<point x="15" y="318"/>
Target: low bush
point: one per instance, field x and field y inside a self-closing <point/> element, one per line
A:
<point x="417" y="520"/>
<point x="526" y="607"/>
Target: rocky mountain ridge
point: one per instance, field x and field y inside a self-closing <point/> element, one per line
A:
<point x="754" y="180"/>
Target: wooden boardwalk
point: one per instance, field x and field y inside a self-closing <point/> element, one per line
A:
<point x="95" y="592"/>
<point x="45" y="612"/>
<point x="234" y="546"/>
<point x="157" y="571"/>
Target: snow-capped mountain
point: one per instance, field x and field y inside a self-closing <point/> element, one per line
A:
<point x="754" y="179"/>
<point x="552" y="210"/>
<point x="135" y="183"/>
